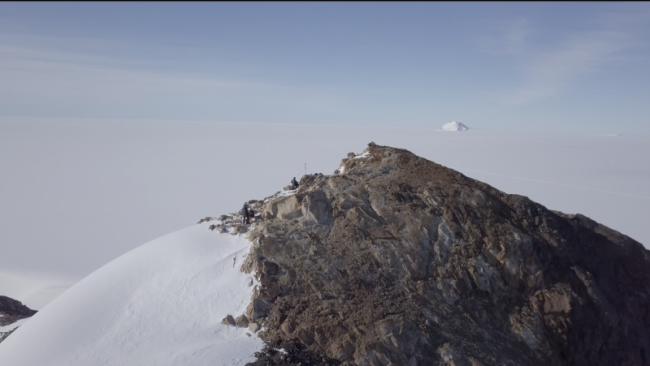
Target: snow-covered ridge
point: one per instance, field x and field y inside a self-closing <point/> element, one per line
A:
<point x="454" y="126"/>
<point x="159" y="304"/>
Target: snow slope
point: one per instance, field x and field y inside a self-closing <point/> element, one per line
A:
<point x="159" y="304"/>
<point x="12" y="326"/>
<point x="454" y="126"/>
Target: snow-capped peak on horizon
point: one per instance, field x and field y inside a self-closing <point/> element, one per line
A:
<point x="454" y="126"/>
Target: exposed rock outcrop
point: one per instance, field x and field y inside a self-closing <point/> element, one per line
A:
<point x="396" y="260"/>
<point x="9" y="306"/>
<point x="10" y="312"/>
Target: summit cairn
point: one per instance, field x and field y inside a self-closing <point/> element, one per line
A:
<point x="454" y="126"/>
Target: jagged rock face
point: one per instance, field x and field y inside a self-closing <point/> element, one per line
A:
<point x="401" y="261"/>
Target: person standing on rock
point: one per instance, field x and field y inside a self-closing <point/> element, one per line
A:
<point x="244" y="214"/>
<point x="294" y="183"/>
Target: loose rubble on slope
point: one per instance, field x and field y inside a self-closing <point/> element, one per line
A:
<point x="396" y="260"/>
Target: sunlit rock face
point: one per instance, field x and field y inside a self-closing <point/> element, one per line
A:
<point x="396" y="260"/>
<point x="454" y="126"/>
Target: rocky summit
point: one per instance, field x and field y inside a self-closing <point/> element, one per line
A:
<point x="397" y="260"/>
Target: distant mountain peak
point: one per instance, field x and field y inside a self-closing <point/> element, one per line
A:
<point x="454" y="126"/>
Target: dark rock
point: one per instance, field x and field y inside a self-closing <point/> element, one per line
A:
<point x="242" y="321"/>
<point x="206" y="219"/>
<point x="288" y="353"/>
<point x="10" y="306"/>
<point x="257" y="309"/>
<point x="10" y="312"/>
<point x="229" y="320"/>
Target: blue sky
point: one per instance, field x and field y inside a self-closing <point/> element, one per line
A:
<point x="523" y="66"/>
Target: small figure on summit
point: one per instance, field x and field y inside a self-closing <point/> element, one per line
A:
<point x="294" y="183"/>
<point x="244" y="214"/>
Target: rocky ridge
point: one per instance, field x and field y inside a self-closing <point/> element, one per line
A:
<point x="10" y="312"/>
<point x="396" y="260"/>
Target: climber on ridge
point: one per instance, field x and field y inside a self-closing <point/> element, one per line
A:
<point x="251" y="214"/>
<point x="245" y="215"/>
<point x="294" y="183"/>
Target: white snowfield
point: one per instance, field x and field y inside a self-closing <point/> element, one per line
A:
<point x="159" y="304"/>
<point x="454" y="126"/>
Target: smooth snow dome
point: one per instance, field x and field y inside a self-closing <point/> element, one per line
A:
<point x="454" y="126"/>
<point x="160" y="304"/>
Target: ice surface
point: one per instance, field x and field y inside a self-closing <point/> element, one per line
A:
<point x="77" y="193"/>
<point x="160" y="304"/>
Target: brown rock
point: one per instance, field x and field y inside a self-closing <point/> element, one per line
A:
<point x="257" y="309"/>
<point x="242" y="321"/>
<point x="228" y="320"/>
<point x="406" y="262"/>
<point x="284" y="208"/>
<point x="288" y="327"/>
<point x="305" y="336"/>
<point x="253" y="327"/>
